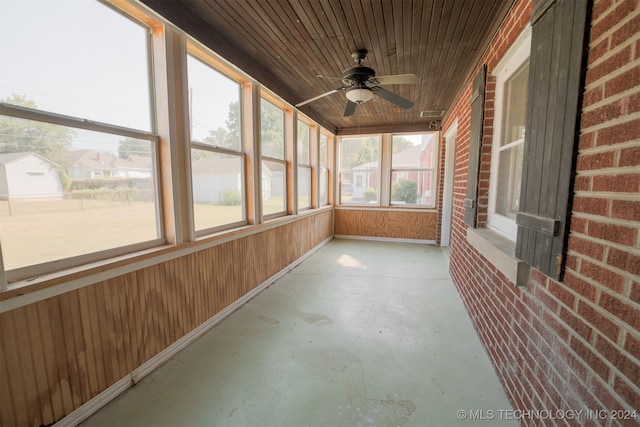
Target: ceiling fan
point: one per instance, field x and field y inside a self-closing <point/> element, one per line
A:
<point x="361" y="84"/>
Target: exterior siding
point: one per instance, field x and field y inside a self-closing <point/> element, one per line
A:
<point x="574" y="344"/>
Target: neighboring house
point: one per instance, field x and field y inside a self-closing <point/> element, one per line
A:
<point x="405" y="164"/>
<point x="28" y="176"/>
<point x="94" y="164"/>
<point x="213" y="177"/>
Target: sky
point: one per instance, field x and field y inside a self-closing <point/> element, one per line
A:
<point x="83" y="59"/>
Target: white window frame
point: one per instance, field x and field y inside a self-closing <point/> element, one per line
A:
<point x="515" y="57"/>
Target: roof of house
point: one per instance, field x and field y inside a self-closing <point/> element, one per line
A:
<point x="12" y="157"/>
<point x="96" y="160"/>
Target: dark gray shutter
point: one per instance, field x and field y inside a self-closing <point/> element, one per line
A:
<point x="475" y="145"/>
<point x="556" y="80"/>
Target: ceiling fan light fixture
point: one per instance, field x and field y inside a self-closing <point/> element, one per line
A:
<point x="359" y="95"/>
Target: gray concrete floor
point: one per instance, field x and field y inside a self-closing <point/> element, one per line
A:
<point x="361" y="333"/>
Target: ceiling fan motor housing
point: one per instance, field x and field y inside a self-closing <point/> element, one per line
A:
<point x="357" y="76"/>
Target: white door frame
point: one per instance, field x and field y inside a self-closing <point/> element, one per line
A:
<point x="447" y="192"/>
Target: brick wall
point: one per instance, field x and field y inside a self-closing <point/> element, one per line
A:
<point x="576" y="344"/>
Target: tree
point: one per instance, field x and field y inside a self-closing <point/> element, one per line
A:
<point x="271" y="130"/>
<point x="132" y="146"/>
<point x="19" y="135"/>
<point x="400" y="143"/>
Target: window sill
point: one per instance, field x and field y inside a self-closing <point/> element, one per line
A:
<point x="55" y="283"/>
<point x="393" y="208"/>
<point x="500" y="252"/>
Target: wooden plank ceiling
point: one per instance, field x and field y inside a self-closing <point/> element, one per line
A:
<point x="287" y="44"/>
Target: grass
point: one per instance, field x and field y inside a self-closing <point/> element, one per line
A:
<point x="34" y="232"/>
<point x="37" y="231"/>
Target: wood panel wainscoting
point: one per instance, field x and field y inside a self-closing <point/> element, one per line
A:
<point x="58" y="353"/>
<point x="391" y="223"/>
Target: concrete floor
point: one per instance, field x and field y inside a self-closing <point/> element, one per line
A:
<point x="361" y="333"/>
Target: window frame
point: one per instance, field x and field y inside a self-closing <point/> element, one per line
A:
<point x="266" y="97"/>
<point x="44" y="116"/>
<point x="511" y="63"/>
<point x="198" y="55"/>
<point x="378" y="202"/>
<point x="309" y="167"/>
<point x="407" y="171"/>
<point x="323" y="168"/>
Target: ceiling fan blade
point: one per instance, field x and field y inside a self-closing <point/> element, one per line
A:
<point x="331" y="92"/>
<point x="349" y="109"/>
<point x="392" y="97"/>
<point x="398" y="79"/>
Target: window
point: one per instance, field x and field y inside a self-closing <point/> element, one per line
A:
<point x="217" y="159"/>
<point x="78" y="169"/>
<point x="413" y="159"/>
<point x="360" y="170"/>
<point x="304" y="165"/>
<point x="512" y="79"/>
<point x="324" y="170"/>
<point x="274" y="164"/>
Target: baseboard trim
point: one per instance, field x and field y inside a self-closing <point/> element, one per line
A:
<point x="102" y="399"/>
<point x="385" y="239"/>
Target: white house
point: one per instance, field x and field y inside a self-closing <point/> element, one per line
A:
<point x="28" y="176"/>
<point x="94" y="164"/>
<point x="213" y="177"/>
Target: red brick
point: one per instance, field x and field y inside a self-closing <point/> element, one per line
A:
<point x="632" y="345"/>
<point x="612" y="232"/>
<point x="629" y="157"/>
<point x="600" y="321"/>
<point x="560" y="292"/>
<point x="586" y="140"/>
<point x="623" y="132"/>
<point x="631" y="397"/>
<point x="592" y="96"/>
<point x="579" y="225"/>
<point x="610" y="64"/>
<point x="624" y="260"/>
<point x="578" y="325"/>
<point x="625" y="32"/>
<point x="543" y="296"/>
<point x="599" y="8"/>
<point x="582" y="287"/>
<point x="620" y="183"/>
<point x="612" y="18"/>
<point x="559" y="329"/>
<point x="590" y="205"/>
<point x="604" y="276"/>
<point x="582" y="183"/>
<point x="620" y="309"/>
<point x="598" y="51"/>
<point x="602" y="114"/>
<point x="625" y="209"/>
<point x="592" y="359"/>
<point x="627" y="80"/>
<point x="595" y="161"/>
<point x="634" y="294"/>
<point x="625" y="365"/>
<point x="586" y="247"/>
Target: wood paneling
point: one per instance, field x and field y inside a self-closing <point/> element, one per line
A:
<point x="58" y="353"/>
<point x="386" y="223"/>
<point x="286" y="44"/>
